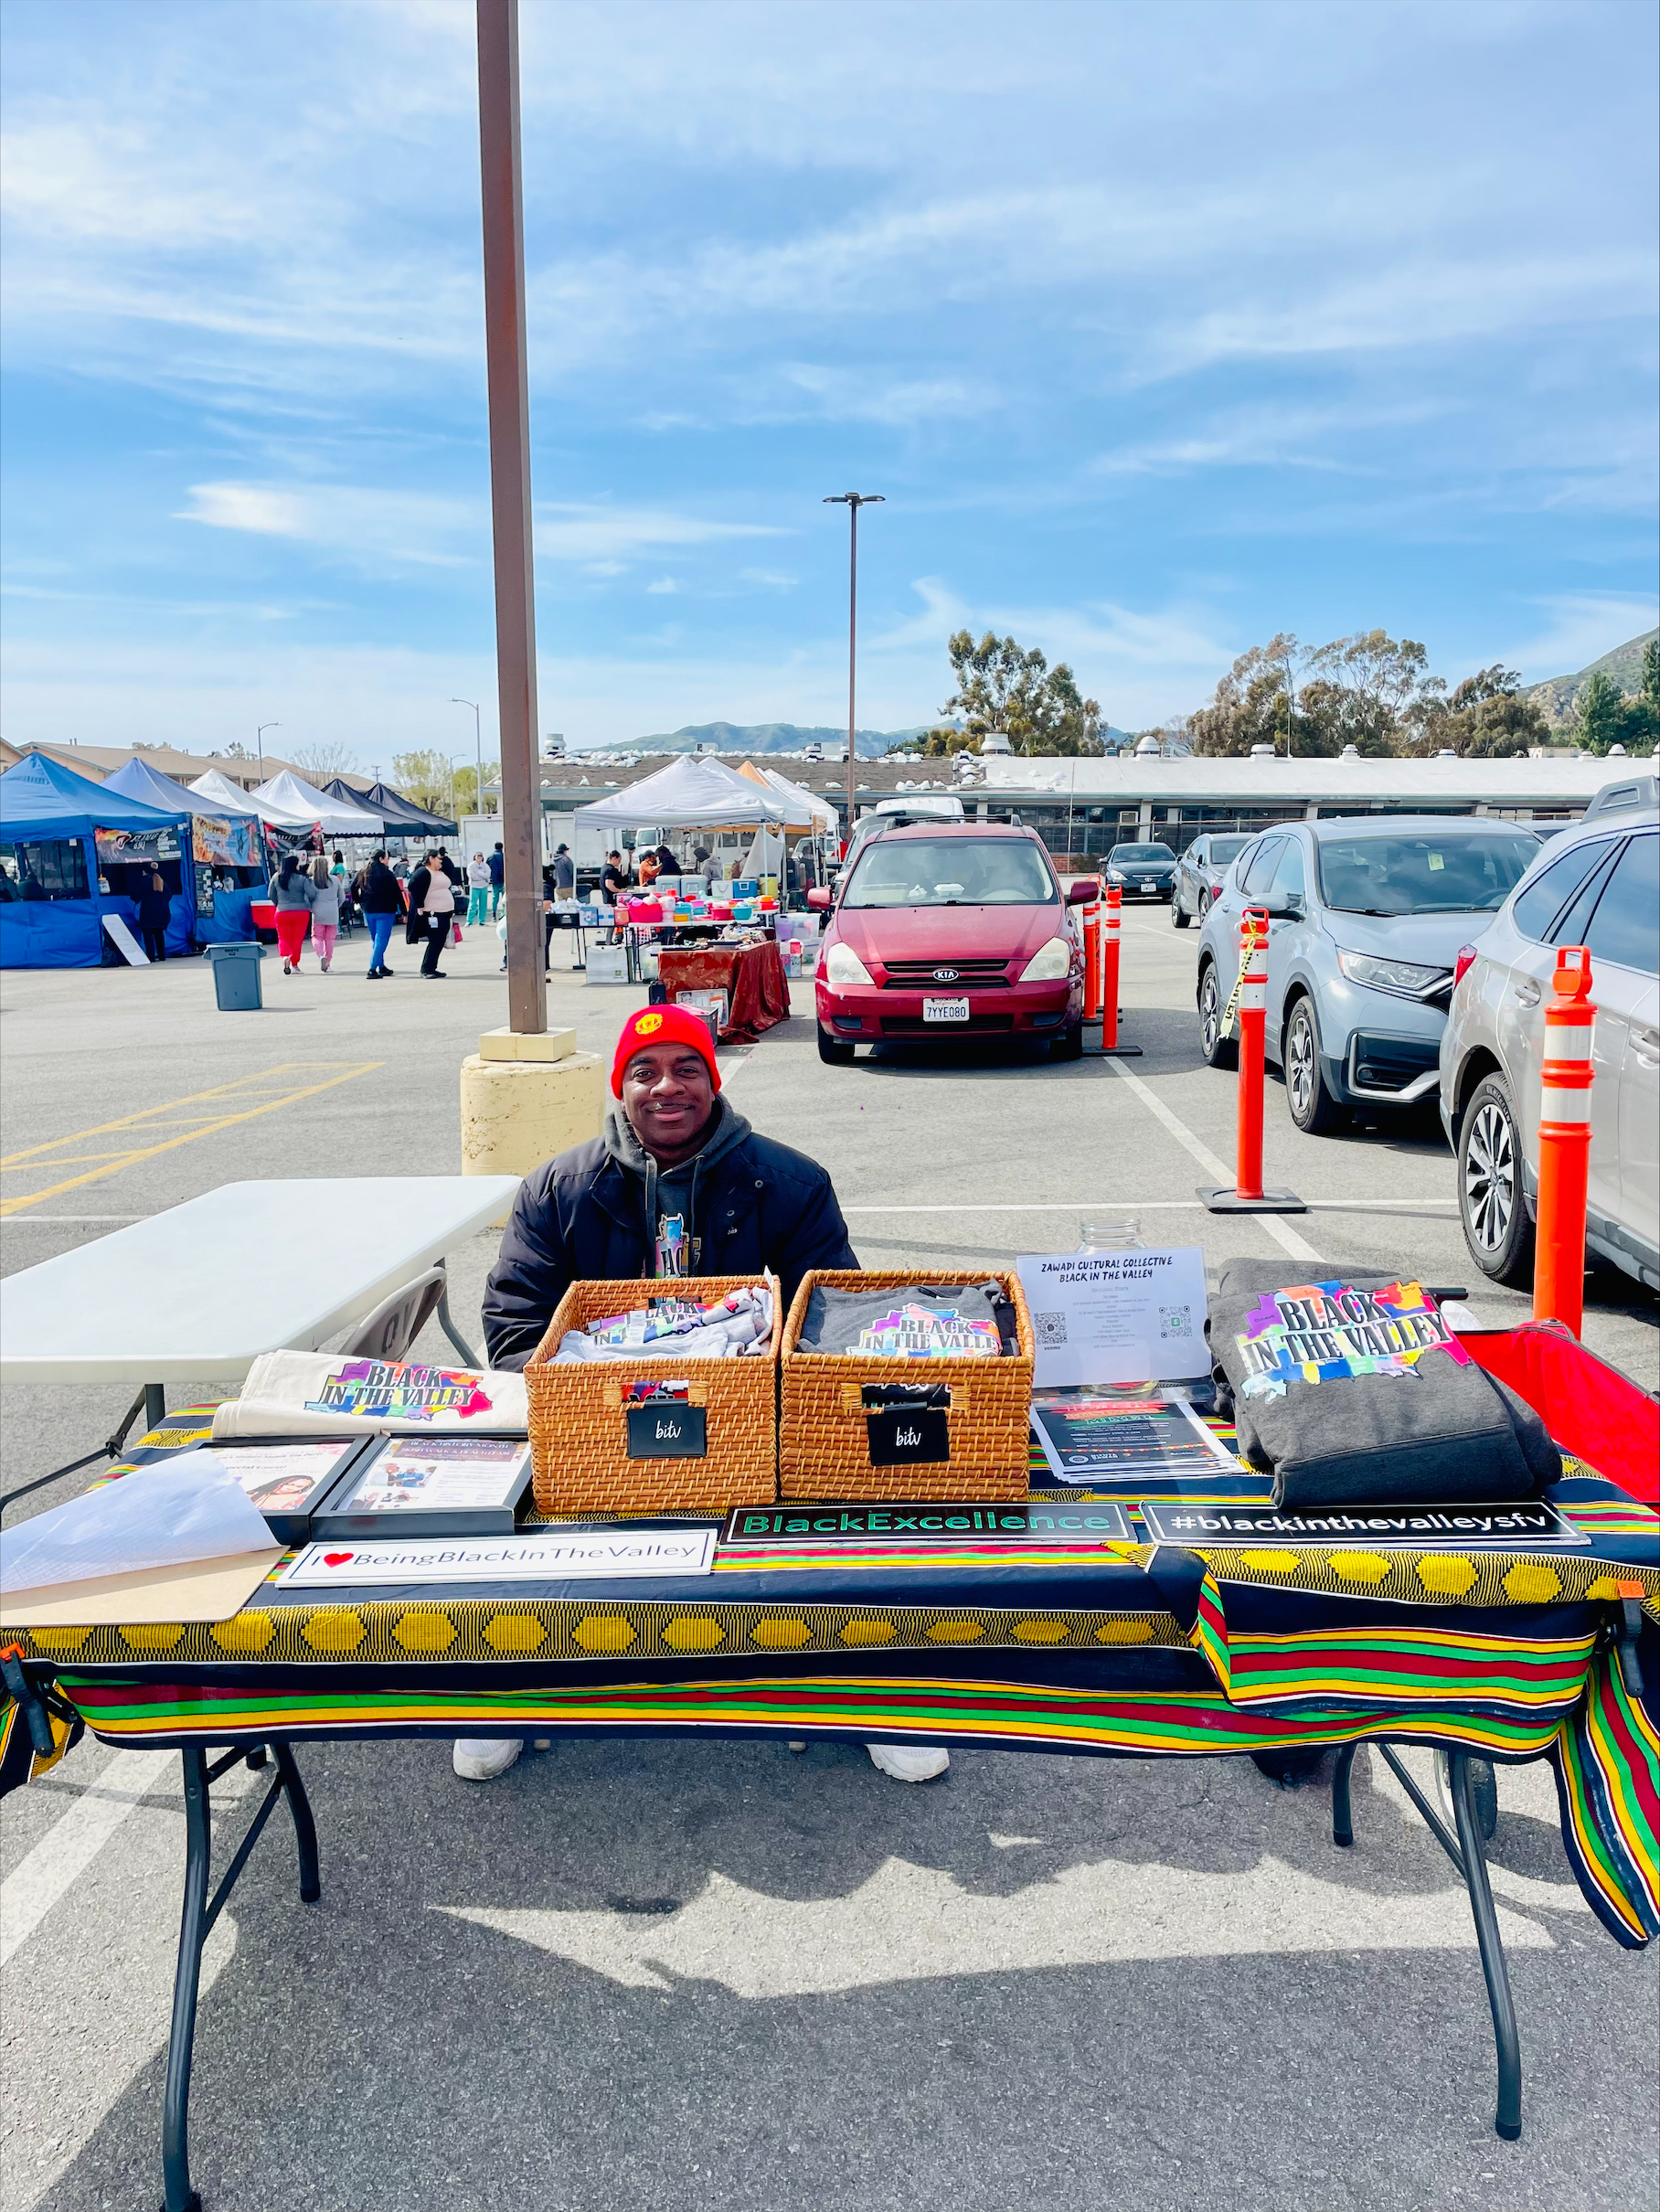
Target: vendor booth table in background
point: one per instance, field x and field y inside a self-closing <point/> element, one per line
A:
<point x="196" y="1293"/>
<point x="62" y="832"/>
<point x="1063" y="1639"/>
<point x="752" y="976"/>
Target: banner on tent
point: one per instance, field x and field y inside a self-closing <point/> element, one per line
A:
<point x="117" y="846"/>
<point x="216" y="841"/>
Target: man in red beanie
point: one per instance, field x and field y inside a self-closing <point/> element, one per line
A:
<point x="678" y="1184"/>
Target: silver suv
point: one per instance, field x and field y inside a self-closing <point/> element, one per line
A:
<point x="1596" y="885"/>
<point x="1366" y="915"/>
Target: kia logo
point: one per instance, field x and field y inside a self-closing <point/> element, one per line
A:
<point x="945" y="975"/>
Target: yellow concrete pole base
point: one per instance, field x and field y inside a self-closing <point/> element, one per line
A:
<point x="516" y="1114"/>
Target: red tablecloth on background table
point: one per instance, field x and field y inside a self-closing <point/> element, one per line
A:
<point x="752" y="976"/>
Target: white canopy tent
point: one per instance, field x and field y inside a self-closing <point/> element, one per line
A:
<point x="288" y="802"/>
<point x="228" y="798"/>
<point x="805" y="812"/>
<point x="690" y="794"/>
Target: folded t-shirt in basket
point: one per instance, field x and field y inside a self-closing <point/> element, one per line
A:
<point x="733" y="1326"/>
<point x="1351" y="1389"/>
<point x="961" y="1321"/>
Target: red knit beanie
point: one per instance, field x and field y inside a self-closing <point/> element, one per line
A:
<point x="663" y="1025"/>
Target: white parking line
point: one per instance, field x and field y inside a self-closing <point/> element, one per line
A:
<point x="71" y="1843"/>
<point x="1286" y="1239"/>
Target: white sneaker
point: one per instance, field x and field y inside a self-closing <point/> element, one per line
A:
<point x="482" y="1759"/>
<point x="903" y="1762"/>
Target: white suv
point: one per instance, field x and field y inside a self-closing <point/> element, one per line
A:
<point x="1596" y="885"/>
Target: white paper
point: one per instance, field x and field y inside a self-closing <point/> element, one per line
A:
<point x="1117" y="1317"/>
<point x="167" y="1516"/>
<point x="278" y="1478"/>
<point x="594" y="1556"/>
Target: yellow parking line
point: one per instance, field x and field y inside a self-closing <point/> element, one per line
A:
<point x="150" y="1118"/>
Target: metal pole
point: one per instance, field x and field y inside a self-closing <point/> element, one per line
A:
<point x="853" y="502"/>
<point x="853" y="644"/>
<point x="504" y="213"/>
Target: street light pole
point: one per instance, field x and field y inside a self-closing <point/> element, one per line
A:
<point x="258" y="738"/>
<point x="478" y="790"/>
<point x="509" y="407"/>
<point x="853" y="502"/>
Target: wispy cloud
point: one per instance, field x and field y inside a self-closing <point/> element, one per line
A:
<point x="575" y="531"/>
<point x="374" y="528"/>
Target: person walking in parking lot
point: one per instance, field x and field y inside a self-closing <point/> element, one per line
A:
<point x="498" y="865"/>
<point x="478" y="890"/>
<point x="382" y="902"/>
<point x="326" y="911"/>
<point x="292" y="894"/>
<point x="432" y="913"/>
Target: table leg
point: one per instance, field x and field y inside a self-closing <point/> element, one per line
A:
<point x="198" y="1916"/>
<point x="306" y="1828"/>
<point x="156" y="1405"/>
<point x="1343" y="1819"/>
<point x="178" y="2195"/>
<point x="1509" y="2118"/>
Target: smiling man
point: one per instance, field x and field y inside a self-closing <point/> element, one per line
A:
<point x="678" y="1184"/>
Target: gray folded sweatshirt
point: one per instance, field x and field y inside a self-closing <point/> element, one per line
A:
<point x="1348" y="1396"/>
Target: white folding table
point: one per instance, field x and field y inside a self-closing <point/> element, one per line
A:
<point x="196" y="1293"/>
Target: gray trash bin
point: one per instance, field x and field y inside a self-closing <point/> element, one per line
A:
<point x="236" y="978"/>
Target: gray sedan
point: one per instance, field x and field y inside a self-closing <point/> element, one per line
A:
<point x="1367" y="920"/>
<point x="1199" y="873"/>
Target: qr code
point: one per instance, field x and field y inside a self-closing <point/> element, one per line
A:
<point x="1051" y="1328"/>
<point x="1175" y="1321"/>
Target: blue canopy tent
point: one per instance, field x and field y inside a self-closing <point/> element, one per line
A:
<point x="51" y="909"/>
<point x="223" y="863"/>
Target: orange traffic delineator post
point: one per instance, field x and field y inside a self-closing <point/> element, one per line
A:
<point x="1558" y="1252"/>
<point x="1251" y="997"/>
<point x="1111" y="921"/>
<point x="1092" y="958"/>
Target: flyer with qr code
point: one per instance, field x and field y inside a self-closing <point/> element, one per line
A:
<point x="1117" y="1317"/>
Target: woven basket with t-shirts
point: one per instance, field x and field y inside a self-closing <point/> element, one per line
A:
<point x="579" y="1417"/>
<point x="823" y="1441"/>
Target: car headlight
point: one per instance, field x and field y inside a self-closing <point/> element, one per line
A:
<point x="842" y="965"/>
<point x="1404" y="977"/>
<point x="1052" y="964"/>
<point x="1115" y="875"/>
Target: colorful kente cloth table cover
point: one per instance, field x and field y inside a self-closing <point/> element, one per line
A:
<point x="1081" y="1645"/>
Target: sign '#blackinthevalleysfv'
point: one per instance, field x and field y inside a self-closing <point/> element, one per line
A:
<point x="1391" y="1527"/>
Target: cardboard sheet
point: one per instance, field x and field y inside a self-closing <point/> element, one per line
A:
<point x="208" y="1590"/>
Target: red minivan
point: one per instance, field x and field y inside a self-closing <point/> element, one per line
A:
<point x="952" y="931"/>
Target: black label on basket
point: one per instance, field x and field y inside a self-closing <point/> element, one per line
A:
<point x="908" y="1435"/>
<point x="668" y="1431"/>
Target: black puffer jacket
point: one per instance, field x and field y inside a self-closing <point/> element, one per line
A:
<point x="582" y="1217"/>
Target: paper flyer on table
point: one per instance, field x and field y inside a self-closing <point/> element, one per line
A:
<point x="1117" y="1317"/>
<point x="589" y="1554"/>
<point x="1085" y="1438"/>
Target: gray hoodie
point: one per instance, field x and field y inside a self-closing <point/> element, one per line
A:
<point x="673" y="1190"/>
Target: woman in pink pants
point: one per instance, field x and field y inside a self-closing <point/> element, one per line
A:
<point x="325" y="910"/>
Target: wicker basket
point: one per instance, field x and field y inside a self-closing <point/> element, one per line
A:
<point x="579" y="1431"/>
<point x="823" y="1446"/>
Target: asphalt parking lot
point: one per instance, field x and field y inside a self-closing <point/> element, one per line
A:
<point x="645" y="1975"/>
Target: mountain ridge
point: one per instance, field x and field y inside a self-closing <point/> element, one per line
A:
<point x="1554" y="696"/>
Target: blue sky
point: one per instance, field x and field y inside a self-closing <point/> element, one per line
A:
<point x="1162" y="327"/>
